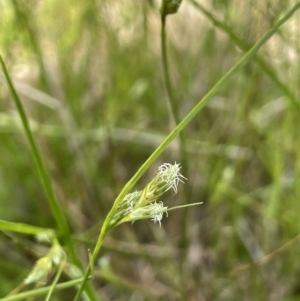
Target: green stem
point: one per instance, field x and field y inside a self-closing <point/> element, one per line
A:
<point x="22" y="228"/>
<point x="183" y="206"/>
<point x="41" y="291"/>
<point x="45" y="178"/>
<point x="98" y="246"/>
<point x="171" y="96"/>
<point x="56" y="209"/>
<point x="174" y="103"/>
<point x="243" y="45"/>
<point x="54" y="284"/>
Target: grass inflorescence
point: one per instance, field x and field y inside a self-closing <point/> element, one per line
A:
<point x="94" y="103"/>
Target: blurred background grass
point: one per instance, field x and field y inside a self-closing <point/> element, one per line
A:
<point x="90" y="78"/>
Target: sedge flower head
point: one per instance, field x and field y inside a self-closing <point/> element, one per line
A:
<point x="168" y="177"/>
<point x="171" y="175"/>
<point x="142" y="204"/>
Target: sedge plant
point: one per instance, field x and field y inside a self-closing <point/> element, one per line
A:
<point x="198" y="107"/>
<point x="128" y="206"/>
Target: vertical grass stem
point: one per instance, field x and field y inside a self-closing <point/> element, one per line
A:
<point x="45" y="178"/>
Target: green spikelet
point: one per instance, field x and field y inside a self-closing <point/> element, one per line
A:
<point x="143" y="204"/>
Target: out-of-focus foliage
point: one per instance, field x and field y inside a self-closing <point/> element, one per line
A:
<point x="89" y="74"/>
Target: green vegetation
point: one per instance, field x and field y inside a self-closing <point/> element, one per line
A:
<point x="96" y="97"/>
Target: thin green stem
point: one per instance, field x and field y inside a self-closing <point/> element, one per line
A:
<point x="171" y="96"/>
<point x="54" y="284"/>
<point x="41" y="291"/>
<point x="243" y="45"/>
<point x="174" y="103"/>
<point x="22" y="228"/>
<point x="44" y="176"/>
<point x="94" y="256"/>
<point x="56" y="209"/>
<point x="184" y="206"/>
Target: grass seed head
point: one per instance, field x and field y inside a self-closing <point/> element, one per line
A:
<point x="142" y="204"/>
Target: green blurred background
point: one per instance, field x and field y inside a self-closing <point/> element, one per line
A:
<point x="89" y="74"/>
